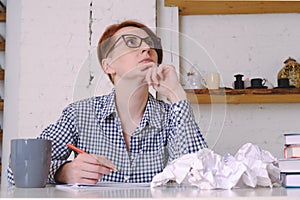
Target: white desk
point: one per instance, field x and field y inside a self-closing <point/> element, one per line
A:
<point x="160" y="192"/>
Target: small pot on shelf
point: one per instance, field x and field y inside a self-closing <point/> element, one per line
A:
<point x="239" y="83"/>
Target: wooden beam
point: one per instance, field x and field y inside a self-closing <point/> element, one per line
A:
<point x="206" y="7"/>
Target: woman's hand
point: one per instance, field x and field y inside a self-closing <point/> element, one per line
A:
<point x="165" y="81"/>
<point x="135" y="76"/>
<point x="85" y="168"/>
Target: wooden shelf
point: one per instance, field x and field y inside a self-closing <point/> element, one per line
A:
<point x="2" y="74"/>
<point x="2" y="12"/>
<point x="2" y="46"/>
<point x="244" y="96"/>
<point x="2" y="16"/>
<point x="2" y="43"/>
<point x="206" y="7"/>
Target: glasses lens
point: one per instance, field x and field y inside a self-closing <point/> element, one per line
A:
<point x="150" y="42"/>
<point x="132" y="41"/>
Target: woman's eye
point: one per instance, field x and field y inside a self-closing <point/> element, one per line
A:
<point x="150" y="43"/>
<point x="131" y="42"/>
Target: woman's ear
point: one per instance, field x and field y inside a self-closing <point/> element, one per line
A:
<point x="106" y="65"/>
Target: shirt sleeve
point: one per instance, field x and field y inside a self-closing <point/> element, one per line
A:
<point x="184" y="135"/>
<point x="61" y="133"/>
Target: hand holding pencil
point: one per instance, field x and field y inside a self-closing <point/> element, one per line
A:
<point x="85" y="168"/>
<point x="101" y="159"/>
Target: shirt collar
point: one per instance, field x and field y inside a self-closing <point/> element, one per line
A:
<point x="152" y="115"/>
<point x="110" y="105"/>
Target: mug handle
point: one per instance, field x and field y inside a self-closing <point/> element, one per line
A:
<point x="264" y="81"/>
<point x="203" y="82"/>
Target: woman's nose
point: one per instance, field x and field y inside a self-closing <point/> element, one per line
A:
<point x="144" y="47"/>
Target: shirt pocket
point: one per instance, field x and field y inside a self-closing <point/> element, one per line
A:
<point x="154" y="152"/>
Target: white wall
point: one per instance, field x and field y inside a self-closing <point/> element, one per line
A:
<point x="50" y="58"/>
<point x="256" y="46"/>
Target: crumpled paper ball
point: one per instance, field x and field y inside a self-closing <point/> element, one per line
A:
<point x="250" y="167"/>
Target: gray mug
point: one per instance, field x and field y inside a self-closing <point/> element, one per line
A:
<point x="30" y="162"/>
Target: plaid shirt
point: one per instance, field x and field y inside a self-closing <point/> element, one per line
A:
<point x="165" y="132"/>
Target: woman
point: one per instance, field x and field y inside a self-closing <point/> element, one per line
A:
<point x="127" y="129"/>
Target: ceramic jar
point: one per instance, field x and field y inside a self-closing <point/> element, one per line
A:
<point x="291" y="70"/>
<point x="238" y="83"/>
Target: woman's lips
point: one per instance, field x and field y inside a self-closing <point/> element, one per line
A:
<point x="146" y="60"/>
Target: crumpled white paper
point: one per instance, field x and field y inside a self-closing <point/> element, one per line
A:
<point x="250" y="167"/>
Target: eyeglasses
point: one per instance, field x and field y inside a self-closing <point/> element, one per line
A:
<point x="134" y="41"/>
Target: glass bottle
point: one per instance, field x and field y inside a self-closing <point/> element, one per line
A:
<point x="193" y="79"/>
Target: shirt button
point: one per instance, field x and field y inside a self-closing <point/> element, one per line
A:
<point x="176" y="108"/>
<point x="126" y="178"/>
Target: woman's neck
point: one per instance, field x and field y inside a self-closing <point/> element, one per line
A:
<point x="131" y="105"/>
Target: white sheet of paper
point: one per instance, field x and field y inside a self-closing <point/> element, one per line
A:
<point x="102" y="185"/>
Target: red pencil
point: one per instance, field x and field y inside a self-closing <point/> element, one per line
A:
<point x="76" y="149"/>
<point x="83" y="152"/>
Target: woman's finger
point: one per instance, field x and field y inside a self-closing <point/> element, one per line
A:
<point x="154" y="76"/>
<point x="148" y="77"/>
<point x="102" y="160"/>
<point x="160" y="71"/>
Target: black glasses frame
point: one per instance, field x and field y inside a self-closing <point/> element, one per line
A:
<point x="156" y="42"/>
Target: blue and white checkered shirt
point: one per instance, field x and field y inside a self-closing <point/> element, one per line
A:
<point x="165" y="132"/>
